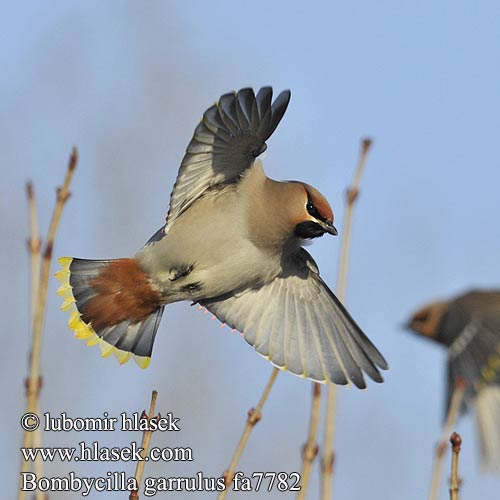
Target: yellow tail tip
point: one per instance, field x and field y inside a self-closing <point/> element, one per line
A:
<point x="84" y="333"/>
<point x="74" y="322"/>
<point x="68" y="303"/>
<point x="121" y="356"/>
<point x="106" y="349"/>
<point x="65" y="262"/>
<point x="65" y="291"/>
<point x="83" y="330"/>
<point x="142" y="361"/>
<point x="62" y="275"/>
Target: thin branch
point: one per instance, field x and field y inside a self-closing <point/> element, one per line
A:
<point x="146" y="440"/>
<point x="37" y="443"/>
<point x="40" y="282"/>
<point x="451" y="418"/>
<point x="39" y="316"/>
<point x="33" y="439"/>
<point x="456" y="442"/>
<point x="351" y="197"/>
<point x="254" y="415"/>
<point x="34" y="245"/>
<point x="328" y="458"/>
<point x="62" y="196"/>
<point x="310" y="449"/>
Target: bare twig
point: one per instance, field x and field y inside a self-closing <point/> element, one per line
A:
<point x="310" y="449"/>
<point x="456" y="442"/>
<point x="328" y="458"/>
<point x="451" y="418"/>
<point x="351" y="197"/>
<point x="39" y="315"/>
<point x="62" y="196"/>
<point x="40" y="282"/>
<point x="34" y="244"/>
<point x="146" y="440"/>
<point x="37" y="443"/>
<point x="254" y="415"/>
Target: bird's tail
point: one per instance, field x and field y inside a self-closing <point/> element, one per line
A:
<point x="488" y="419"/>
<point x="113" y="304"/>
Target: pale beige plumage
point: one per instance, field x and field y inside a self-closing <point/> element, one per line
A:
<point x="233" y="243"/>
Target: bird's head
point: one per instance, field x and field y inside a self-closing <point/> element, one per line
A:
<point x="313" y="216"/>
<point x="282" y="212"/>
<point x="426" y="321"/>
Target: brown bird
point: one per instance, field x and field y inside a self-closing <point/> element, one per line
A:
<point x="469" y="327"/>
<point x="232" y="242"/>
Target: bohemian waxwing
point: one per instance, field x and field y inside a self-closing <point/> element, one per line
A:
<point x="469" y="327"/>
<point x="232" y="242"/>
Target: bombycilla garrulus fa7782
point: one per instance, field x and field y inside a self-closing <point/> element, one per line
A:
<point x="232" y="242"/>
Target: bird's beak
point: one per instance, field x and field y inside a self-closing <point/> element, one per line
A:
<point x="329" y="227"/>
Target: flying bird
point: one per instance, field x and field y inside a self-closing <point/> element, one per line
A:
<point x="232" y="243"/>
<point x="469" y="327"/>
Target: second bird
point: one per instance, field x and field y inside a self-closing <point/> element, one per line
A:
<point x="232" y="242"/>
<point x="469" y="327"/>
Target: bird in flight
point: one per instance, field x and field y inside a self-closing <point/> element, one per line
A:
<point x="468" y="326"/>
<point x="232" y="243"/>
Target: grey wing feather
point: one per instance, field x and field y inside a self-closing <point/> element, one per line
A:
<point x="471" y="330"/>
<point x="488" y="417"/>
<point x="299" y="325"/>
<point x="230" y="136"/>
<point x="156" y="237"/>
<point x="474" y="357"/>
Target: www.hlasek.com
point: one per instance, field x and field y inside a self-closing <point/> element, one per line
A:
<point x="95" y="453"/>
<point x="119" y="480"/>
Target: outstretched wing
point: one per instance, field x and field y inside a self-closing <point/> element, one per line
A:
<point x="298" y="324"/>
<point x="231" y="134"/>
<point x="471" y="329"/>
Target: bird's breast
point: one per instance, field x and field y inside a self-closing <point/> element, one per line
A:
<point x="206" y="253"/>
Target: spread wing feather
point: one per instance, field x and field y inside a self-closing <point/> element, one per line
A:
<point x="471" y="329"/>
<point x="231" y="134"/>
<point x="488" y="412"/>
<point x="299" y="325"/>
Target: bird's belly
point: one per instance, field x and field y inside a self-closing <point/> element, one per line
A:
<point x="235" y="273"/>
<point x="233" y="270"/>
<point x="206" y="260"/>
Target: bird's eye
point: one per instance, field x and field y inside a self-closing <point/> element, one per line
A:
<point x="421" y="318"/>
<point x="311" y="209"/>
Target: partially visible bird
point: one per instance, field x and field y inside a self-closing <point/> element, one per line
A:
<point x="469" y="327"/>
<point x="232" y="242"/>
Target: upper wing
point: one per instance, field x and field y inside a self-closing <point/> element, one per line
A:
<point x="474" y="347"/>
<point x="231" y="134"/>
<point x="298" y="324"/>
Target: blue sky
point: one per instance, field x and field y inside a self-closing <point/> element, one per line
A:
<point x="126" y="82"/>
